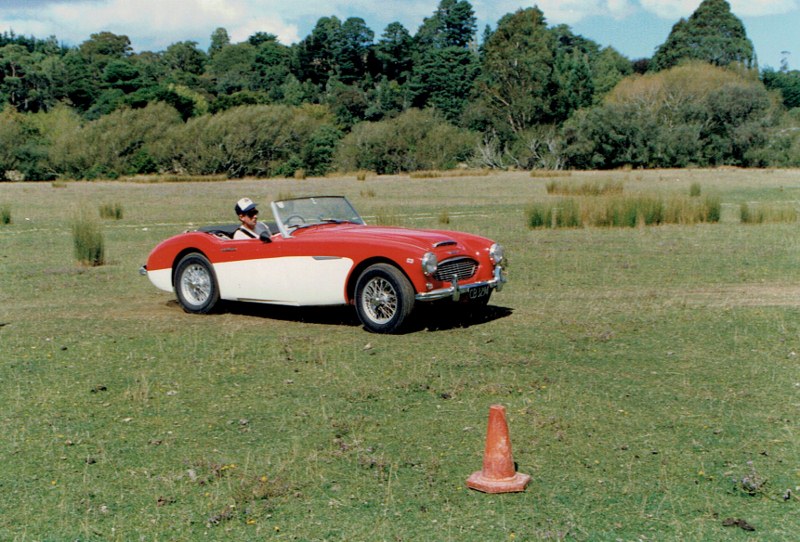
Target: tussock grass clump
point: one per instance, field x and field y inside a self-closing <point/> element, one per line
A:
<point x="761" y="214"/>
<point x="623" y="211"/>
<point x="362" y="174"/>
<point x="175" y="178"/>
<point x="444" y="217"/>
<point x="111" y="210"/>
<point x="589" y="188"/>
<point x="435" y="174"/>
<point x="562" y="213"/>
<point x="5" y="214"/>
<point x="694" y="190"/>
<point x="88" y="241"/>
<point x="300" y="174"/>
<point x="547" y="173"/>
<point x="388" y="217"/>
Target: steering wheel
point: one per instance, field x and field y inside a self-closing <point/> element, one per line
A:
<point x="297" y="218"/>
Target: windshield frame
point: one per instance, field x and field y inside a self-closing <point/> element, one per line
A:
<point x="293" y="214"/>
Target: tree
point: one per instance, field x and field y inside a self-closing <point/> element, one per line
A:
<point x="442" y="79"/>
<point x="219" y="40"/>
<point x="712" y="34"/>
<point x="393" y="52"/>
<point x="785" y="81"/>
<point x="516" y="84"/>
<point x="451" y="25"/>
<point x="184" y="60"/>
<point x="692" y="114"/>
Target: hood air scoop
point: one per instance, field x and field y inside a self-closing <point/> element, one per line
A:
<point x="444" y="243"/>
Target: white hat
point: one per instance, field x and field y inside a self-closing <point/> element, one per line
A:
<point x="244" y="205"/>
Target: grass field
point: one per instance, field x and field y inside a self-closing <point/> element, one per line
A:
<point x="651" y="377"/>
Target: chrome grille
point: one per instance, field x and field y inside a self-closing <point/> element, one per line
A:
<point x="463" y="268"/>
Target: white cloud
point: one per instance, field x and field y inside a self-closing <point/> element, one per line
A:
<point x="155" y="24"/>
<point x="675" y="9"/>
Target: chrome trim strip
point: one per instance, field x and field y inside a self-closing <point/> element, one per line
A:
<point x="319" y="258"/>
<point x="454" y="292"/>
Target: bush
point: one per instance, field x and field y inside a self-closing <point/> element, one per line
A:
<point x="88" y="241"/>
<point x="254" y="140"/>
<point x="124" y="142"/>
<point x="5" y="214"/>
<point x="415" y="140"/>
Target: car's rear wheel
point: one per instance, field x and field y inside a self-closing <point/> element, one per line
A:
<point x="384" y="298"/>
<point x="195" y="284"/>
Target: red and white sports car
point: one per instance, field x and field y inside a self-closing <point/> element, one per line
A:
<point x="319" y="251"/>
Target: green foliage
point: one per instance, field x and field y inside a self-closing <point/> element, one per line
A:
<point x="711" y="34"/>
<point x="257" y="140"/>
<point x="785" y="81"/>
<point x="5" y="213"/>
<point x="694" y="190"/>
<point x="415" y="140"/>
<point x="541" y="97"/>
<point x="126" y="142"/>
<point x="694" y="114"/>
<point x="88" y="240"/>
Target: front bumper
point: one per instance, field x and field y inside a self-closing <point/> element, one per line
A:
<point x="455" y="291"/>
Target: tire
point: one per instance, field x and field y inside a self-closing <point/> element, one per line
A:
<point x="384" y="298"/>
<point x="195" y="284"/>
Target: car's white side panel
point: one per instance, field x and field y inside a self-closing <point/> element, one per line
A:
<point x="295" y="280"/>
<point x="161" y="279"/>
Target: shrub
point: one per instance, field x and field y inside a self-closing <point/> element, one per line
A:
<point x="5" y="214"/>
<point x="415" y="140"/>
<point x="88" y="241"/>
<point x="694" y="190"/>
<point x="124" y="142"/>
<point x="253" y="140"/>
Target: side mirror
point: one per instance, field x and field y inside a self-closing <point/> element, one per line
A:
<point x="265" y="237"/>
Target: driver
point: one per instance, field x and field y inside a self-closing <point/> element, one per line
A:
<point x="250" y="227"/>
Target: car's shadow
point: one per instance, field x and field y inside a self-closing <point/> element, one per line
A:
<point x="426" y="318"/>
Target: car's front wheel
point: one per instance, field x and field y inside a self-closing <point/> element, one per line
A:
<point x="384" y="298"/>
<point x="195" y="284"/>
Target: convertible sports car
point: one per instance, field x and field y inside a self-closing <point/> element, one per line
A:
<point x="319" y="251"/>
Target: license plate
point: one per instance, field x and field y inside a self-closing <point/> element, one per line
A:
<point x="480" y="291"/>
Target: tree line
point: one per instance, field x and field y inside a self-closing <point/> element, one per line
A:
<point x="524" y="95"/>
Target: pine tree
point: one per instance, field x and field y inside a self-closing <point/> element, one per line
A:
<point x="712" y="34"/>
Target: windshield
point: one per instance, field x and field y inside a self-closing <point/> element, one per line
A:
<point x="291" y="214"/>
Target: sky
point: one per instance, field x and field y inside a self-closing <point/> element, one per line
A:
<point x="635" y="28"/>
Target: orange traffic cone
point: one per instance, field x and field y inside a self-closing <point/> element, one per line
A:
<point x="498" y="474"/>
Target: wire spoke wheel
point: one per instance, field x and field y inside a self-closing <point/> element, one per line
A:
<point x="195" y="284"/>
<point x="380" y="300"/>
<point x="384" y="298"/>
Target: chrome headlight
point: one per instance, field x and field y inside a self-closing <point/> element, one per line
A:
<point x="429" y="263"/>
<point x="497" y="253"/>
